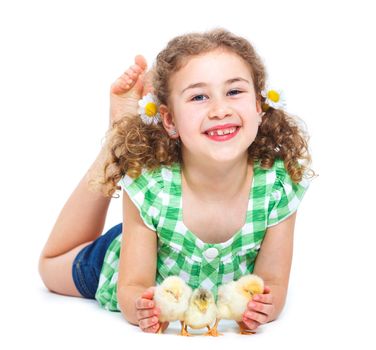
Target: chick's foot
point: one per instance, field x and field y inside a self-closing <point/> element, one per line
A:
<point x="184" y="330"/>
<point x="213" y="331"/>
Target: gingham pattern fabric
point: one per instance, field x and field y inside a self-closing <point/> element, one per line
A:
<point x="157" y="194"/>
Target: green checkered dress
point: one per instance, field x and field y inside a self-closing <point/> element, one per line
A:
<point x="158" y="196"/>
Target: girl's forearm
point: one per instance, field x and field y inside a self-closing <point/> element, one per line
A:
<point x="127" y="301"/>
<point x="279" y="297"/>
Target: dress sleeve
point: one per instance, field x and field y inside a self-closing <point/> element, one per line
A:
<point x="286" y="195"/>
<point x="145" y="192"/>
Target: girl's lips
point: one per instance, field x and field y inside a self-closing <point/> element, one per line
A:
<point x="223" y="137"/>
<point x="223" y="126"/>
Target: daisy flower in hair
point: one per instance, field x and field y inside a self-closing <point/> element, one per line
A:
<point x="148" y="109"/>
<point x="273" y="98"/>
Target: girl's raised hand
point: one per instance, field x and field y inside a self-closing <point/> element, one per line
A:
<point x="147" y="313"/>
<point x="128" y="89"/>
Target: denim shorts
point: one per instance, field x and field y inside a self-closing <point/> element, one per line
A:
<point x="88" y="263"/>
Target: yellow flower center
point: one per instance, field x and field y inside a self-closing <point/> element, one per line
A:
<point x="151" y="109"/>
<point x="273" y="95"/>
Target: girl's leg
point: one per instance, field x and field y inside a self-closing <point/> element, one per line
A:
<point x="56" y="272"/>
<point x="83" y="216"/>
<point x="80" y="222"/>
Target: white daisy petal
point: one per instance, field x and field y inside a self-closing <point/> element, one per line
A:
<point x="146" y="112"/>
<point x="274" y="104"/>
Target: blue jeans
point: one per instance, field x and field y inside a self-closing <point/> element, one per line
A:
<point x="88" y="263"/>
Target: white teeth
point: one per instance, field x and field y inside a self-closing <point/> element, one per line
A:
<point x="222" y="132"/>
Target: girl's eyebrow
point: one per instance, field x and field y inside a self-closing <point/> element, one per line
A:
<point x="201" y="84"/>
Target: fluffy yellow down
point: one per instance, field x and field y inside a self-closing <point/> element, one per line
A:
<point x="202" y="311"/>
<point x="172" y="297"/>
<point x="234" y="296"/>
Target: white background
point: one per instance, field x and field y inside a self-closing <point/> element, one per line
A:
<point x="57" y="62"/>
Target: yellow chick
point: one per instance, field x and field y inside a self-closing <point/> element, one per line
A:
<point x="201" y="312"/>
<point x="172" y="297"/>
<point x="234" y="296"/>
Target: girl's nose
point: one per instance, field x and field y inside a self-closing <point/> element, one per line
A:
<point x="219" y="110"/>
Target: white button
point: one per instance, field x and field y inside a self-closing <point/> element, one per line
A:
<point x="211" y="253"/>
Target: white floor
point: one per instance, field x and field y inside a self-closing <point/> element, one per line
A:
<point x="38" y="319"/>
<point x="49" y="321"/>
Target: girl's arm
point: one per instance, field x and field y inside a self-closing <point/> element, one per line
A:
<point x="137" y="269"/>
<point x="273" y="264"/>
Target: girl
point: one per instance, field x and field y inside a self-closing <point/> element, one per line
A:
<point x="211" y="182"/>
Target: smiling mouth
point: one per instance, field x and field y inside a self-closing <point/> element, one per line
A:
<point x="222" y="134"/>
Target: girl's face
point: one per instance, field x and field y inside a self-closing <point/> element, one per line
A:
<point x="213" y="89"/>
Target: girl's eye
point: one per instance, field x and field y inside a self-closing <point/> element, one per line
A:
<point x="238" y="91"/>
<point x="232" y="92"/>
<point x="196" y="98"/>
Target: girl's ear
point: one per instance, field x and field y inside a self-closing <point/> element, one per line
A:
<point x="168" y="121"/>
<point x="258" y="106"/>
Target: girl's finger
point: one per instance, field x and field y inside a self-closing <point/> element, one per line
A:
<point x="256" y="316"/>
<point x="263" y="298"/>
<point x="152" y="329"/>
<point x="144" y="313"/>
<point x="250" y="324"/>
<point x="148" y="293"/>
<point x="148" y="322"/>
<point x="261" y="307"/>
<point x="267" y="290"/>
<point x="142" y="303"/>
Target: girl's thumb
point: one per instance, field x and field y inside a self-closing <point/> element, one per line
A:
<point x="148" y="293"/>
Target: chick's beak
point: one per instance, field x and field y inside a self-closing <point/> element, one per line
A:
<point x="177" y="294"/>
<point x="202" y="305"/>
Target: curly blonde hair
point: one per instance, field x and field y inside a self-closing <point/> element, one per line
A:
<point x="132" y="144"/>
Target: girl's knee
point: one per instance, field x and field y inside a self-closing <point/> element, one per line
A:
<point x="56" y="274"/>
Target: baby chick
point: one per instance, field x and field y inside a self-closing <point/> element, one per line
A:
<point x="234" y="296"/>
<point x="172" y="297"/>
<point x="201" y="313"/>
